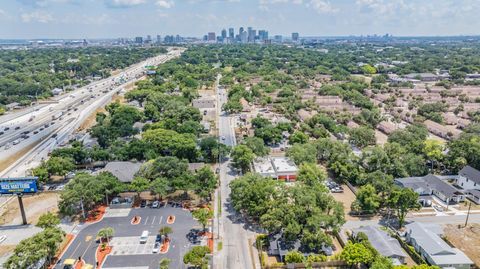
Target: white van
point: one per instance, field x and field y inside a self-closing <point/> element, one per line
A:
<point x="144" y="237"/>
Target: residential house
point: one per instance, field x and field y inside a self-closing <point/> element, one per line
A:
<point x="432" y="185"/>
<point x="427" y="241"/>
<point x="245" y="106"/>
<point x="440" y="130"/>
<point x="468" y="178"/>
<point x="386" y="127"/>
<point x="278" y="246"/>
<point x="384" y="243"/>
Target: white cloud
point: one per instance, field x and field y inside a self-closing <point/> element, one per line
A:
<point x="164" y="3"/>
<point x="37" y="16"/>
<point x="322" y="6"/>
<point x="124" y="3"/>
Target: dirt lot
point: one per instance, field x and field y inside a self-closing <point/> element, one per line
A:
<point x="35" y="206"/>
<point x="466" y="239"/>
<point x="347" y="198"/>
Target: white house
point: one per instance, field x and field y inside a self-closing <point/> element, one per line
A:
<point x="280" y="168"/>
<point x="468" y="178"/>
<point x="427" y="241"/>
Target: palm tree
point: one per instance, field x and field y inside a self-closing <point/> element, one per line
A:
<point x="106" y="233"/>
<point x="165" y="231"/>
<point x="164" y="263"/>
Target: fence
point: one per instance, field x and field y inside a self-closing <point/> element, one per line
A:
<point x="315" y="265"/>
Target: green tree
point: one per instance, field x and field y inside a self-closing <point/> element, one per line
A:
<point x="139" y="184"/>
<point x="203" y="215"/>
<point x="362" y="136"/>
<point x="205" y="182"/>
<point x="48" y="220"/>
<point x="106" y="233"/>
<point x="165" y="231"/>
<point x="164" y="263"/>
<point x="298" y="137"/>
<point x="381" y="262"/>
<point x="403" y="200"/>
<point x="242" y="157"/>
<point x="42" y="173"/>
<point x="257" y="145"/>
<point x="356" y="254"/>
<point x="294" y="257"/>
<point x="59" y="166"/>
<point x="197" y="257"/>
<point x="311" y="174"/>
<point x="368" y="199"/>
<point x="433" y="149"/>
<point x="159" y="187"/>
<point x="302" y="153"/>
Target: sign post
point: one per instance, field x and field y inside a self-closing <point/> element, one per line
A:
<point x="19" y="186"/>
<point x="22" y="209"/>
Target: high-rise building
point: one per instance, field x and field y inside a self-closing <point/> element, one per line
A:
<point x="240" y="31"/>
<point x="139" y="40"/>
<point x="224" y="34"/>
<point x="211" y="37"/>
<point x="244" y="37"/>
<point x="231" y="33"/>
<point x="278" y="39"/>
<point x="295" y="37"/>
<point x="250" y="35"/>
<point x="159" y="39"/>
<point x="262" y="35"/>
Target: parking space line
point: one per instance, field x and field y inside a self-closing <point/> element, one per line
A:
<point x="160" y="221"/>
<point x="146" y="219"/>
<point x="153" y="221"/>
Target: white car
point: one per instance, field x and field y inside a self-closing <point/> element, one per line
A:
<point x="156" y="247"/>
<point x="155" y="204"/>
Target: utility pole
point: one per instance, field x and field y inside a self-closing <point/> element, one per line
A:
<point x="468" y="213"/>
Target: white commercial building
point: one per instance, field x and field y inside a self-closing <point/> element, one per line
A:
<point x="280" y="168"/>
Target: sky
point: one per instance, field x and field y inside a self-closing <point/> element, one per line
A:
<point x="28" y="19"/>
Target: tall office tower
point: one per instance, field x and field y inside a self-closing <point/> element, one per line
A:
<point x="244" y="37"/>
<point x="262" y="35"/>
<point x="224" y="34"/>
<point x="278" y="39"/>
<point x="159" y="39"/>
<point x="240" y="31"/>
<point x="254" y="36"/>
<point x="295" y="37"/>
<point x="231" y="33"/>
<point x="250" y="35"/>
<point x="149" y="38"/>
<point x="139" y="40"/>
<point x="211" y="37"/>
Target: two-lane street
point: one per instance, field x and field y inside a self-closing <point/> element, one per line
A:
<point x="236" y="252"/>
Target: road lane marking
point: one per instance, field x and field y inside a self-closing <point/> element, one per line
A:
<point x="75" y="250"/>
<point x="146" y="219"/>
<point x="88" y="238"/>
<point x="160" y="221"/>
<point x="153" y="221"/>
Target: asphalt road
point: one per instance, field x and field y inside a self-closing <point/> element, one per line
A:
<point x="84" y="244"/>
<point x="231" y="229"/>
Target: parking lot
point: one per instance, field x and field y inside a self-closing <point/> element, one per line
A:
<point x="127" y="251"/>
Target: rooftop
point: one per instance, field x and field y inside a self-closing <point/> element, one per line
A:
<point x="124" y="171"/>
<point x="470" y="173"/>
<point x="382" y="242"/>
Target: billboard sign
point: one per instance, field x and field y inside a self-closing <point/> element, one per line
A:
<point x="18" y="185"/>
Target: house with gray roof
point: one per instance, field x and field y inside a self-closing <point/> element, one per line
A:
<point x="124" y="171"/>
<point x="384" y="243"/>
<point x="427" y="241"/>
<point x="468" y="178"/>
<point x="432" y="185"/>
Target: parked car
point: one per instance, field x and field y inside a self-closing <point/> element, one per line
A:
<point x="156" y="247"/>
<point x="143" y="203"/>
<point x="155" y="204"/>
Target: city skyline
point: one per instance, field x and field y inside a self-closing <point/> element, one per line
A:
<point x="30" y="19"/>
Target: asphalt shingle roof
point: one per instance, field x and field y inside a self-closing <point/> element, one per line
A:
<point x="470" y="173"/>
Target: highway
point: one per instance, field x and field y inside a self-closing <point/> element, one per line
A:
<point x="231" y="229"/>
<point x="46" y="126"/>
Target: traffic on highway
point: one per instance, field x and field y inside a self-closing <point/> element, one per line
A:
<point x="40" y="128"/>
